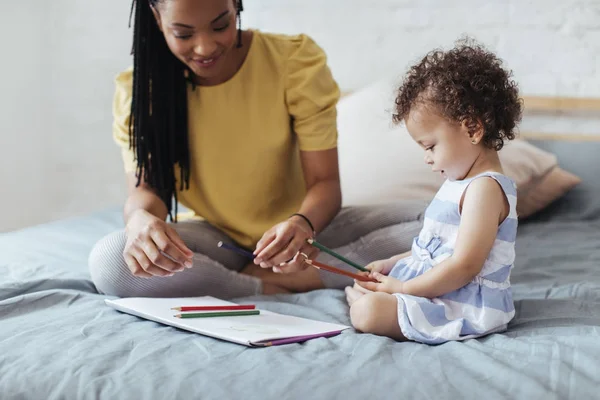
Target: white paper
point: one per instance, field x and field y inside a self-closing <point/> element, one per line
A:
<point x="246" y="330"/>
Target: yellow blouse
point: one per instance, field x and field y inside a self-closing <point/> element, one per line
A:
<point x="245" y="134"/>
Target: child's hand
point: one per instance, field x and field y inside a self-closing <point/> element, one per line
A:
<point x="382" y="266"/>
<point x="385" y="284"/>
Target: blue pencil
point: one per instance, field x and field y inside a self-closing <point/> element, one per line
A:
<point x="238" y="250"/>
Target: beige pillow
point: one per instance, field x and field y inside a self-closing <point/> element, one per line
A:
<point x="551" y="187"/>
<point x="379" y="162"/>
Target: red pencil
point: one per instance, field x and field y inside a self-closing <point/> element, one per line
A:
<point x="215" y="308"/>
<point x="329" y="268"/>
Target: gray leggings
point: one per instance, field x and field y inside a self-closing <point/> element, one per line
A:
<point x="361" y="234"/>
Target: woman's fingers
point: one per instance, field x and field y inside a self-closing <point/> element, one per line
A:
<point x="174" y="236"/>
<point x="159" y="259"/>
<point x="297" y="263"/>
<point x="175" y="258"/>
<point x="288" y="254"/>
<point x="281" y="244"/>
<point x="265" y="257"/>
<point x="153" y="248"/>
<point x="147" y="265"/>
<point x="135" y="267"/>
<point x="264" y="241"/>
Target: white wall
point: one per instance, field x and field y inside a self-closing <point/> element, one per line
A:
<point x="59" y="58"/>
<point x="58" y="61"/>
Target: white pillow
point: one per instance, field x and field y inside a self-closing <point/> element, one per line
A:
<point x="380" y="163"/>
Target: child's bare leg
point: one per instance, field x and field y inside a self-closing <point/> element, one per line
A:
<point x="354" y="293"/>
<point x="377" y="313"/>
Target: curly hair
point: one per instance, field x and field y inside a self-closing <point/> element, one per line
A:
<point x="465" y="84"/>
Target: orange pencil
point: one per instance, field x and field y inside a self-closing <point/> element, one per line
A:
<point x="329" y="268"/>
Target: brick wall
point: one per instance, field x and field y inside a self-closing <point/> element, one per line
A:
<point x="552" y="46"/>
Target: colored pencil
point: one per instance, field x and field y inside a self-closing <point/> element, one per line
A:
<point x="218" y="314"/>
<point x="236" y="249"/>
<point x="334" y="254"/>
<point x="329" y="268"/>
<point x="215" y="308"/>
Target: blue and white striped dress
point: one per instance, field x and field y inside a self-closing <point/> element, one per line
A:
<point x="485" y="304"/>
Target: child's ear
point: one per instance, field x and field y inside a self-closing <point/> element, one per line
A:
<point x="473" y="128"/>
<point x="157" y="17"/>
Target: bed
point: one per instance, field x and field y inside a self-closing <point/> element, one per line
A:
<point x="59" y="341"/>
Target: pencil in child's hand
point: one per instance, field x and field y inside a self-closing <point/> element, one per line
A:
<point x="329" y="268"/>
<point x="218" y="314"/>
<point x="215" y="308"/>
<point x="336" y="255"/>
<point x="236" y="249"/>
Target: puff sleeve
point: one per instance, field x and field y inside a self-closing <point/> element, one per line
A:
<point x="121" y="116"/>
<point x="311" y="95"/>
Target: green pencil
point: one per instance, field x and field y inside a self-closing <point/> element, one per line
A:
<point x="336" y="255"/>
<point x="218" y="314"/>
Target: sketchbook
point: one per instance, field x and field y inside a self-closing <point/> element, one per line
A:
<point x="266" y="329"/>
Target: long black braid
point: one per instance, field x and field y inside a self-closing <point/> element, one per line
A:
<point x="158" y="127"/>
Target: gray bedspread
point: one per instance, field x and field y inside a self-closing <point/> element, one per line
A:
<point x="59" y="341"/>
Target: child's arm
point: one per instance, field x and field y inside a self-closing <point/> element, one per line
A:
<point x="484" y="206"/>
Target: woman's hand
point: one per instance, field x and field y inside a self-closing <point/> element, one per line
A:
<point x="280" y="246"/>
<point x="153" y="248"/>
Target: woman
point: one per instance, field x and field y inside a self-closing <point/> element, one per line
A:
<point x="239" y="126"/>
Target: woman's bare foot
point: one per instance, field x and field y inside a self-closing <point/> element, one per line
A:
<point x="295" y="282"/>
<point x="272" y="289"/>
